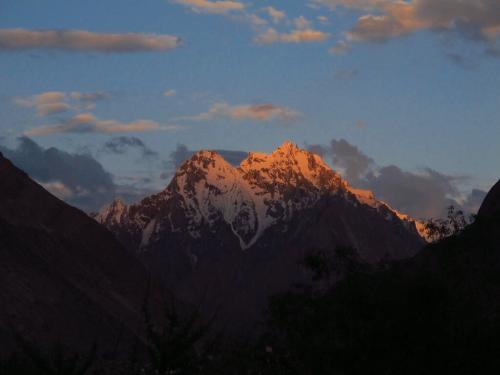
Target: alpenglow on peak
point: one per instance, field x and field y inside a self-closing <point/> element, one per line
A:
<point x="264" y="190"/>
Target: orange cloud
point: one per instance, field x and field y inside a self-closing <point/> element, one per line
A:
<point x="78" y="40"/>
<point x="46" y="103"/>
<point x="218" y="7"/>
<point x="253" y="112"/>
<point x="295" y="36"/>
<point x="388" y="19"/>
<point x="88" y="123"/>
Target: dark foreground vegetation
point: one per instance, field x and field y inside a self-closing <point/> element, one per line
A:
<point x="438" y="313"/>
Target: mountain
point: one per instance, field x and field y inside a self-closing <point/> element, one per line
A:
<point x="491" y="204"/>
<point x="436" y="313"/>
<point x="62" y="275"/>
<point x="227" y="237"/>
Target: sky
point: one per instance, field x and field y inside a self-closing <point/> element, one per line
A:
<point x="133" y="85"/>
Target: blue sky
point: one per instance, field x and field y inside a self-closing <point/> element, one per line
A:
<point x="411" y="88"/>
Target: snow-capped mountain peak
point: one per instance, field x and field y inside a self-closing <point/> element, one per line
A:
<point x="113" y="213"/>
<point x="289" y="166"/>
<point x="266" y="189"/>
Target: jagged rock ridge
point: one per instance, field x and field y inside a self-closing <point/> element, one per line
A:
<point x="264" y="190"/>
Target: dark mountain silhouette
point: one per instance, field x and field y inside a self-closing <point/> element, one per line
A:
<point x="491" y="204"/>
<point x="436" y="313"/>
<point x="62" y="275"/>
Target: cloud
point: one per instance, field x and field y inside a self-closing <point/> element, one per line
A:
<point x="474" y="20"/>
<point x="77" y="178"/>
<point x="89" y="99"/>
<point x="423" y="194"/>
<point x="473" y="201"/>
<point x="276" y="15"/>
<point x="215" y="7"/>
<point x="54" y="102"/>
<point x="47" y="103"/>
<point x="346" y="157"/>
<point x="79" y="40"/>
<point x="400" y="19"/>
<point x="170" y="93"/>
<point x="294" y="36"/>
<point x="180" y="155"/>
<point x="353" y="4"/>
<point x="122" y="145"/>
<point x="302" y="31"/>
<point x="252" y="112"/>
<point x="88" y="123"/>
<point x="58" y="189"/>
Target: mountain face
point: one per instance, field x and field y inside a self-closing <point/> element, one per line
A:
<point x="227" y="237"/>
<point x="491" y="204"/>
<point x="62" y="275"/>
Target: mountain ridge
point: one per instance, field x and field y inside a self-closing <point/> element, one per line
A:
<point x="256" y="187"/>
<point x="64" y="276"/>
<point x="226" y="238"/>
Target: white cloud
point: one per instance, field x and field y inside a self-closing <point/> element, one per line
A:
<point x="79" y="40"/>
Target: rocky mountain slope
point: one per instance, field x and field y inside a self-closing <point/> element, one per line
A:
<point x="263" y="191"/>
<point x="491" y="204"/>
<point x="63" y="277"/>
<point x="226" y="237"/>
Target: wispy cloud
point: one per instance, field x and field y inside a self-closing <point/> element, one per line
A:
<point x="253" y="112"/>
<point x="216" y="7"/>
<point x="301" y="31"/>
<point x="87" y="123"/>
<point x="79" y="40"/>
<point x="294" y="36"/>
<point x="276" y="15"/>
<point x="54" y="102"/>
<point x="170" y="93"/>
<point x="46" y="103"/>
